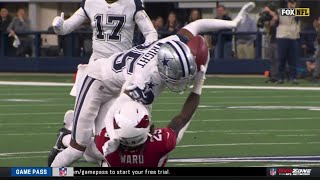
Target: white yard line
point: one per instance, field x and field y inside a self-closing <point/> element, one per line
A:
<point x="244" y="144"/>
<point x="260" y="119"/>
<point x="23" y="100"/>
<point x="21" y="83"/>
<point x="262" y="87"/>
<point x="256" y="119"/>
<point x="41" y="105"/>
<point x="199" y="163"/>
<point x="26" y="134"/>
<point x="23" y="153"/>
<point x="246" y="133"/>
<point x="23" y="114"/>
<point x="29" y="124"/>
<point x="288" y="165"/>
<point x="26" y="157"/>
<point x="276" y="107"/>
<point x="250" y="130"/>
<point x="31" y="94"/>
<point x="297" y="135"/>
<point x="269" y="96"/>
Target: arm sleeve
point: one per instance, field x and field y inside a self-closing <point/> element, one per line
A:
<point x="139" y="6"/>
<point x="209" y="25"/>
<point x="146" y="27"/>
<point x="73" y="22"/>
<point x="171" y="139"/>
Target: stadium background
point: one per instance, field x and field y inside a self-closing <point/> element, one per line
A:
<point x="242" y="121"/>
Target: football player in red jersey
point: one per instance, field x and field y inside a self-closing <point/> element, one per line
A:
<point x="139" y="145"/>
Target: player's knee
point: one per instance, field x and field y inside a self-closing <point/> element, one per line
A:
<point x="74" y="154"/>
<point x="77" y="146"/>
<point x="89" y="158"/>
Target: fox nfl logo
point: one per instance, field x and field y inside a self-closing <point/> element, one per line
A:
<point x="295" y="12"/>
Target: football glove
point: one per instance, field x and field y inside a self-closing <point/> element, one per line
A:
<point x="57" y="23"/>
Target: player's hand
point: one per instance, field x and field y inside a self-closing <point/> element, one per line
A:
<point x="110" y="146"/>
<point x="201" y="74"/>
<point x="140" y="95"/>
<point x="12" y="33"/>
<point x="57" y="23"/>
<point x="199" y="80"/>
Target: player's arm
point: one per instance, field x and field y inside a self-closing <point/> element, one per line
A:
<point x="144" y="23"/>
<point x="210" y="25"/>
<point x="63" y="27"/>
<point x="146" y="27"/>
<point x="181" y="122"/>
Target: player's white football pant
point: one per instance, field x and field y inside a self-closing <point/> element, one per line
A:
<point x="81" y="74"/>
<point x="93" y="95"/>
<point x="68" y="119"/>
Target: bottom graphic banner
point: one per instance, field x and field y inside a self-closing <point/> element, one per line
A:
<point x="170" y="171"/>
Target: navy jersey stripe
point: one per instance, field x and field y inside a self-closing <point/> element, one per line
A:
<point x="83" y="3"/>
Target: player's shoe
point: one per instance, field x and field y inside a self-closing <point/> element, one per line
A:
<point x="68" y="119"/>
<point x="244" y="11"/>
<point x="58" y="147"/>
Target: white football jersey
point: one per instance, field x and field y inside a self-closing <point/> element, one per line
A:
<point x="136" y="66"/>
<point x="112" y="24"/>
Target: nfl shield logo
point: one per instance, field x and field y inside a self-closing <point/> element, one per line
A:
<point x="62" y="171"/>
<point x="273" y="172"/>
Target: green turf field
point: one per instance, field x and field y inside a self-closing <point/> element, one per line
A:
<point x="229" y="124"/>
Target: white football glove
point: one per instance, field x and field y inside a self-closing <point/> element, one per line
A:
<point x="110" y="146"/>
<point x="57" y="23"/>
<point x="200" y="77"/>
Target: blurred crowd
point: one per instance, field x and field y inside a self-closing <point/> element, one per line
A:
<point x="284" y="42"/>
<point x="19" y="46"/>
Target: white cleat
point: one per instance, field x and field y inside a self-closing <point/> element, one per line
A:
<point x="244" y="11"/>
<point x="68" y="119"/>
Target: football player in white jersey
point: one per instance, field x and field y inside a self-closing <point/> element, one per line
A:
<point x="113" y="23"/>
<point x="144" y="71"/>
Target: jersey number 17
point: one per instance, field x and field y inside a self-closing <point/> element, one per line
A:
<point x="117" y="21"/>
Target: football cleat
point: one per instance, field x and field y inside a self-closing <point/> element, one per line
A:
<point x="58" y="147"/>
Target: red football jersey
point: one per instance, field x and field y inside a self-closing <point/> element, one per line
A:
<point x="153" y="154"/>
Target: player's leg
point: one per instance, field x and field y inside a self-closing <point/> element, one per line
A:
<point x="87" y="108"/>
<point x="81" y="74"/>
<point x="92" y="154"/>
<point x="64" y="136"/>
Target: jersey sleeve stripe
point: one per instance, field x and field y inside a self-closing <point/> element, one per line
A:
<point x="83" y="3"/>
<point x="139" y="7"/>
<point x="183" y="38"/>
